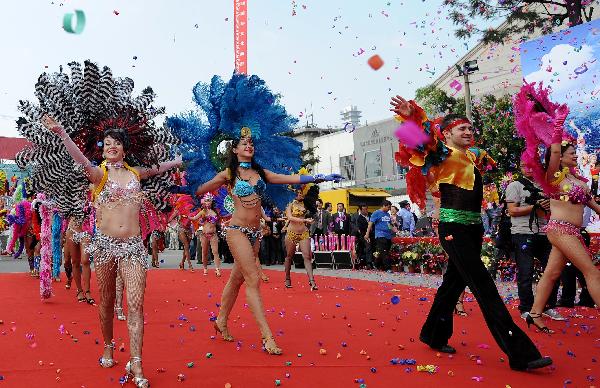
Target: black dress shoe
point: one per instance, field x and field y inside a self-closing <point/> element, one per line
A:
<point x="443" y="349"/>
<point x="535" y="364"/>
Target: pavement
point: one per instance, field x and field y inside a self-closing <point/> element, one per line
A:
<point x="169" y="259"/>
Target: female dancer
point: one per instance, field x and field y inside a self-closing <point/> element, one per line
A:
<point x="117" y="245"/>
<point x="208" y="218"/>
<point x="185" y="229"/>
<point x="297" y="232"/>
<point x="97" y="113"/>
<point x="231" y="108"/>
<point x="78" y="237"/>
<point x="569" y="195"/>
<point x="247" y="180"/>
<point x="158" y="239"/>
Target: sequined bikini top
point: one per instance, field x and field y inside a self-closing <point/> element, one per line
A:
<point x="297" y="211"/>
<point x="112" y="192"/>
<point x="573" y="193"/>
<point x="210" y="219"/>
<point x="243" y="188"/>
<point x="570" y="191"/>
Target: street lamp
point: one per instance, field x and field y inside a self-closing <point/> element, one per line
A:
<point x="469" y="67"/>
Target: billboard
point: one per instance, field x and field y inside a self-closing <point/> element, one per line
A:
<point x="568" y="62"/>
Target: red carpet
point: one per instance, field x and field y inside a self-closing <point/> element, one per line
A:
<point x="350" y="317"/>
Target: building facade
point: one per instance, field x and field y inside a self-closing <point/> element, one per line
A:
<point x="336" y="155"/>
<point x="374" y="150"/>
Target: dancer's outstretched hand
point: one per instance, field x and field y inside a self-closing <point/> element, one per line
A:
<point x="328" y="178"/>
<point x="560" y="115"/>
<point x="401" y="107"/>
<point x="52" y="125"/>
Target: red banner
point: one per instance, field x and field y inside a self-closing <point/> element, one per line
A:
<point x="240" y="35"/>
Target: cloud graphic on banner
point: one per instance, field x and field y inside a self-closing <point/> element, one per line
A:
<point x="564" y="70"/>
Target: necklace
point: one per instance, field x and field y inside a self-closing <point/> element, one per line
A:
<point x="246" y="165"/>
<point x="115" y="165"/>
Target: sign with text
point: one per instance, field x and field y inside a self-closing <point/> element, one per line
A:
<point x="240" y="35"/>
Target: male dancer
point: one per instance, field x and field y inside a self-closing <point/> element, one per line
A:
<point x="457" y="177"/>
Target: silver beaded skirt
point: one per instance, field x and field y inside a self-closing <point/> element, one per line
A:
<point x="106" y="249"/>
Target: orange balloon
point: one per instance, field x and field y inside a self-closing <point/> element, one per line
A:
<point x="375" y="62"/>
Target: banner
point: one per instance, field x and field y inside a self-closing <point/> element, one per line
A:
<point x="240" y="35"/>
<point x="568" y="62"/>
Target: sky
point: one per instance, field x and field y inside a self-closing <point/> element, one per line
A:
<point x="567" y="61"/>
<point x="316" y="59"/>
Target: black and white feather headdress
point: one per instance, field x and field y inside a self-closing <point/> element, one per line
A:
<point x="85" y="104"/>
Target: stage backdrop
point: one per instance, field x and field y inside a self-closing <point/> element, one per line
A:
<point x="567" y="62"/>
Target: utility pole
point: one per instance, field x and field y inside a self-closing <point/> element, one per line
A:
<point x="468" y="107"/>
<point x="469" y="67"/>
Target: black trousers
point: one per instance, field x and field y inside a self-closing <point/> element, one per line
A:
<point x="382" y="248"/>
<point x="525" y="248"/>
<point x="363" y="252"/>
<point x="465" y="268"/>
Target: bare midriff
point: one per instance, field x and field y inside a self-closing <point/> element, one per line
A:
<point x="566" y="211"/>
<point x="246" y="216"/>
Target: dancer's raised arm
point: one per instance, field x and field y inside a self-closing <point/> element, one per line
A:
<point x="219" y="180"/>
<point x="300" y="179"/>
<point x="94" y="173"/>
<point x="554" y="163"/>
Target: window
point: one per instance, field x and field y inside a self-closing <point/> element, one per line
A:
<point x="398" y="169"/>
<point x="347" y="167"/>
<point x="372" y="164"/>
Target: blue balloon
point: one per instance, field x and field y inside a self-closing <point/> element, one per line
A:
<point x="395" y="299"/>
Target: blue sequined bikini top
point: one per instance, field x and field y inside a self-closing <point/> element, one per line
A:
<point x="243" y="188"/>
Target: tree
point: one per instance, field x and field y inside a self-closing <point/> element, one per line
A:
<point x="309" y="159"/>
<point x="496" y="120"/>
<point x="522" y="17"/>
<point x="436" y="102"/>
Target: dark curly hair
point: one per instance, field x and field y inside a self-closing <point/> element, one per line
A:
<point x="310" y="199"/>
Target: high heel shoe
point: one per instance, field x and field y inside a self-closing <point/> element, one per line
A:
<point x="313" y="285"/>
<point x="459" y="309"/>
<point x="89" y="299"/>
<point x="119" y="313"/>
<point x="530" y="321"/>
<point x="107" y="362"/>
<point x="264" y="278"/>
<point x="218" y="272"/>
<point x="181" y="267"/>
<point x="191" y="268"/>
<point x="273" y="348"/>
<point x="140" y="382"/>
<point x="82" y="298"/>
<point x="288" y="283"/>
<point x="205" y="271"/>
<point x="224" y="332"/>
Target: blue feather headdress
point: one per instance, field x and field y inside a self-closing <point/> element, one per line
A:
<point x="242" y="107"/>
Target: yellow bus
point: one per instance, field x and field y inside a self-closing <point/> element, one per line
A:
<point x="352" y="197"/>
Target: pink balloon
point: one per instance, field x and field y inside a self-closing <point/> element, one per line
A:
<point x="411" y="134"/>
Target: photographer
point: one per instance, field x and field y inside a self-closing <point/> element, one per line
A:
<point x="528" y="210"/>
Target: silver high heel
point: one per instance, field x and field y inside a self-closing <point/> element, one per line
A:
<point x="140" y="382"/>
<point x="107" y="362"/>
<point x="119" y="312"/>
